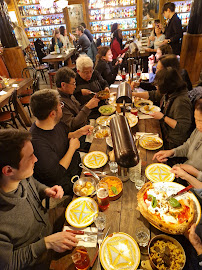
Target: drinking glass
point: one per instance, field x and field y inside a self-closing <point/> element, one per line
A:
<point x="113" y="166"/>
<point x="102" y="195"/>
<point x="139" y="182"/>
<point x="81" y="258"/>
<point x="142" y="235"/>
<point x="100" y="221"/>
<point x="135" y="172"/>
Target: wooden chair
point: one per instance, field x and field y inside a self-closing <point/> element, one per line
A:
<point x="51" y="75"/>
<point x="8" y="117"/>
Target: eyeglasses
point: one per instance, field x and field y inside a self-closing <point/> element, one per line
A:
<point x="62" y="104"/>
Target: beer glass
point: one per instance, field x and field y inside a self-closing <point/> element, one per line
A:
<point x="102" y="195"/>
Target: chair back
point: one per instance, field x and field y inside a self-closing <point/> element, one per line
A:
<point x="13" y="102"/>
<point x="31" y="72"/>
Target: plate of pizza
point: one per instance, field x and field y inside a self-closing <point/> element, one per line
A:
<point x="95" y="159"/>
<point x="143" y="102"/>
<point x="174" y="215"/>
<point x="159" y="172"/>
<point x="102" y="120"/>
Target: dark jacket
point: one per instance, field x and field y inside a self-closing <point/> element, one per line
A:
<point x="53" y="44"/>
<point x="107" y="71"/>
<point x="88" y="34"/>
<point x="173" y="31"/>
<point x="73" y="116"/>
<point x="178" y="107"/>
<point x="24" y="224"/>
<point x="83" y="42"/>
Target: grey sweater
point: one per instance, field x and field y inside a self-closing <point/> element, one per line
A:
<point x="23" y="225"/>
<point x="192" y="150"/>
<point x="73" y="116"/>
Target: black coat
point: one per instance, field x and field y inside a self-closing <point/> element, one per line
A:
<point x="173" y="32"/>
<point x="107" y="71"/>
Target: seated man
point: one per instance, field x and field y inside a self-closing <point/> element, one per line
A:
<point x="83" y="40"/>
<point x="26" y="227"/>
<point x="73" y="116"/>
<point x="88" y="81"/>
<point x="54" y="146"/>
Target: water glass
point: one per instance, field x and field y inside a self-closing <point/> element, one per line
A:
<point x="102" y="195"/>
<point x="100" y="221"/>
<point x="113" y="166"/>
<point x="142" y="235"/>
<point x="81" y="258"/>
<point x="139" y="182"/>
<point x="135" y="172"/>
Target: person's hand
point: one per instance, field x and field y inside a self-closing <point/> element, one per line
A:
<point x="162" y="156"/>
<point x="179" y="172"/>
<point x="92" y="103"/>
<point x="134" y="84"/>
<point x="149" y="50"/>
<point x="86" y="130"/>
<point x="189" y="169"/>
<point x="55" y="192"/>
<point x="72" y="37"/>
<point x="85" y="92"/>
<point x="152" y="38"/>
<point x="157" y="115"/>
<point x="107" y="89"/>
<point x="195" y="239"/>
<point x="74" y="143"/>
<point x="61" y="241"/>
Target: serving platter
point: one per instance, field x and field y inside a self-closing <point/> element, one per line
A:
<point x="149" y="109"/>
<point x="95" y="159"/>
<point x="80" y="212"/>
<point x="158" y="172"/>
<point x="119" y="251"/>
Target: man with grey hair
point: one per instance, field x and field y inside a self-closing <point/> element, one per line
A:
<point x="88" y="81"/>
<point x="83" y="40"/>
<point x="54" y="146"/>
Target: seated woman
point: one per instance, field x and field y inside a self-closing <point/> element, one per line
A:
<point x="64" y="38"/>
<point x="56" y="40"/>
<point x="155" y="41"/>
<point x="88" y="81"/>
<point x="116" y="44"/>
<point x="176" y="109"/>
<point x="191" y="149"/>
<point x="104" y="64"/>
<point x="166" y="61"/>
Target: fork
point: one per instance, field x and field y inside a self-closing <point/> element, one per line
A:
<point x="88" y="239"/>
<point x="99" y="241"/>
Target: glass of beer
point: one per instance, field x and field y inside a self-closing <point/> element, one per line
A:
<point x="80" y="258"/>
<point x="102" y="195"/>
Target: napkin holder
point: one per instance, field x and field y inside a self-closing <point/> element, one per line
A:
<point x="126" y="154"/>
<point x="124" y="93"/>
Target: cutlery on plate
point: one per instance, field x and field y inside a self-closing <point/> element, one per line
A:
<point x="82" y="232"/>
<point x="182" y="191"/>
<point x="92" y="172"/>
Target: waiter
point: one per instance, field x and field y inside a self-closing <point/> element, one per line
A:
<point x="173" y="30"/>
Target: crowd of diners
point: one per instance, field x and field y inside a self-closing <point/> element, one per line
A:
<point x="40" y="163"/>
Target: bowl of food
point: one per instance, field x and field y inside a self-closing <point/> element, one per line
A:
<point x="84" y="186"/>
<point x="115" y="187"/>
<point x="101" y="132"/>
<point x="166" y="253"/>
<point x="104" y="94"/>
<point x="107" y="109"/>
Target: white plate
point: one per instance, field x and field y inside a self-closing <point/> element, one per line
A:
<point x="145" y="139"/>
<point x="111" y="107"/>
<point x="102" y="120"/>
<point x="119" y="251"/>
<point x="158" y="172"/>
<point x="80" y="212"/>
<point x="152" y="109"/>
<point x="132" y="119"/>
<point x="171" y="188"/>
<point x="95" y="159"/>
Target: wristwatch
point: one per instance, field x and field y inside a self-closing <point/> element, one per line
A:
<point x="169" y="41"/>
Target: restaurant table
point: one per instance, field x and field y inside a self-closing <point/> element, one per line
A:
<point x="122" y="214"/>
<point x="23" y="84"/>
<point x="59" y="57"/>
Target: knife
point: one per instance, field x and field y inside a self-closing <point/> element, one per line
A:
<point x="184" y="190"/>
<point x="97" y="251"/>
<point x="82" y="232"/>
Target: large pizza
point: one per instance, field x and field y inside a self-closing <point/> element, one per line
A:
<point x="174" y="215"/>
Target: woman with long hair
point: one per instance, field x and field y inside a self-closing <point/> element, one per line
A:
<point x="63" y="36"/>
<point x="155" y="41"/>
<point x="104" y="64"/>
<point x="116" y="44"/>
<point x="56" y="40"/>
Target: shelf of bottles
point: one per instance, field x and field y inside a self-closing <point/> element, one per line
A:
<point x="104" y="13"/>
<point x="40" y="22"/>
<point x="183" y="9"/>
